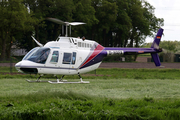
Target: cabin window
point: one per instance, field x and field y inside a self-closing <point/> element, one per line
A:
<point x="55" y="57"/>
<point x="67" y="58"/>
<point x="87" y="45"/>
<point x="39" y="56"/>
<point x="79" y="44"/>
<point x="82" y="44"/>
<point x="30" y="52"/>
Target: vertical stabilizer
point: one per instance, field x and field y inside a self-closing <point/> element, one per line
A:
<point x="157" y="39"/>
<point x="155" y="58"/>
<point x="155" y="45"/>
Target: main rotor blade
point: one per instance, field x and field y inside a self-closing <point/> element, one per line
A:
<point x="76" y="23"/>
<point x="56" y="21"/>
<point x="37" y="42"/>
<point x="64" y="23"/>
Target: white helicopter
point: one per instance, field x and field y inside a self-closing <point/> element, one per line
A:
<point x="74" y="56"/>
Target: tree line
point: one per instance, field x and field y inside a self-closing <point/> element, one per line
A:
<point x="167" y="46"/>
<point x="114" y="23"/>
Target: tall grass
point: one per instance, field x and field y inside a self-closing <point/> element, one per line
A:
<point x="70" y="105"/>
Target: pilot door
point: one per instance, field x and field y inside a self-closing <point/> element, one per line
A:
<point x="69" y="62"/>
<point x="52" y="63"/>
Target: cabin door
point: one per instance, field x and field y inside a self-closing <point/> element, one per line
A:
<point x="69" y="61"/>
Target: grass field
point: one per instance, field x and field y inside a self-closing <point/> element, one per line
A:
<point x="112" y="94"/>
<point x="109" y="88"/>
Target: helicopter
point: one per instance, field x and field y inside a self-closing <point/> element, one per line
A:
<point x="74" y="56"/>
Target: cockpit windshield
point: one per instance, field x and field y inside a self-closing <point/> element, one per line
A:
<point x="38" y="55"/>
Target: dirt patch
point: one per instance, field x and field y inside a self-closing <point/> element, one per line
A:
<point x="7" y="64"/>
<point x="12" y="73"/>
<point x="139" y="65"/>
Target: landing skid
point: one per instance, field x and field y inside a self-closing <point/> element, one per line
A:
<point x="43" y="81"/>
<point x="57" y="81"/>
<point x="61" y="81"/>
<point x="38" y="81"/>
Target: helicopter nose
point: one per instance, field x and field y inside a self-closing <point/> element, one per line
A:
<point x="24" y="68"/>
<point x="17" y="66"/>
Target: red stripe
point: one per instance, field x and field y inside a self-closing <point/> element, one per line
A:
<point x="97" y="50"/>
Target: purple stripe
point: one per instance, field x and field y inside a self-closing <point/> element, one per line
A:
<point x="96" y="59"/>
<point x="45" y="67"/>
<point x="90" y="53"/>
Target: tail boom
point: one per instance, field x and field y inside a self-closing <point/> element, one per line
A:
<point x="154" y="50"/>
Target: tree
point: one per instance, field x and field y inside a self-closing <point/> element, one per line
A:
<point x="144" y="22"/>
<point x="122" y="25"/>
<point x="170" y="46"/>
<point x="84" y="12"/>
<point x="106" y="13"/>
<point x="14" y="19"/>
<point x="46" y="30"/>
<point x="121" y="21"/>
<point x="110" y="22"/>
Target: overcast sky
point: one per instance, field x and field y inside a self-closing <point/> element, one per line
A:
<point x="170" y="11"/>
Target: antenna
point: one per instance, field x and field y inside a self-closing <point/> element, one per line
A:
<point x="37" y="42"/>
<point x="58" y="37"/>
<point x="55" y="20"/>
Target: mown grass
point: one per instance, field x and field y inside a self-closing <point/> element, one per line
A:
<point x="102" y="73"/>
<point x="143" y="94"/>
